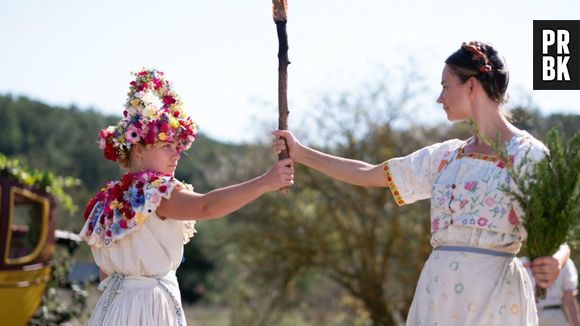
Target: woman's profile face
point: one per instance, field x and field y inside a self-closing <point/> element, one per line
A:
<point x="454" y="96"/>
<point x="161" y="157"/>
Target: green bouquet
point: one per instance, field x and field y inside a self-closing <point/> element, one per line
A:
<point x="548" y="193"/>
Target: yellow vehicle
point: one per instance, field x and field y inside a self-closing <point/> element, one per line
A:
<point x="27" y="223"/>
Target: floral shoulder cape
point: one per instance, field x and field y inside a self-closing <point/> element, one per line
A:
<point x="122" y="206"/>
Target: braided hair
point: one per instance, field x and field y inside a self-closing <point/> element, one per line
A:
<point x="482" y="61"/>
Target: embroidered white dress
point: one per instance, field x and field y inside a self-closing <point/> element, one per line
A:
<point x="139" y="251"/>
<point x="468" y="209"/>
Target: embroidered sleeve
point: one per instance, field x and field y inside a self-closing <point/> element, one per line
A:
<point x="121" y="207"/>
<point x="410" y="178"/>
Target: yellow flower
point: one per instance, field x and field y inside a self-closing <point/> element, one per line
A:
<point x="135" y="102"/>
<point x="114" y="204"/>
<point x="139" y="218"/>
<point x="156" y="183"/>
<point x="173" y="123"/>
<point x="162" y="136"/>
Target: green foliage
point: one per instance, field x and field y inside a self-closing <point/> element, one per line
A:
<point x="42" y="180"/>
<point x="549" y="194"/>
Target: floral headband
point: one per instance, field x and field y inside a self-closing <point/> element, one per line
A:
<point x="478" y="56"/>
<point x="153" y="113"/>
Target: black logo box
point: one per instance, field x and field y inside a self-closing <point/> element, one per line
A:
<point x="573" y="28"/>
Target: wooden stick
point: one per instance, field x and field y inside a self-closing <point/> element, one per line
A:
<point x="279" y="10"/>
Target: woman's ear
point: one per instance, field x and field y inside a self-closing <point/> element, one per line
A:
<point x="138" y="151"/>
<point x="472" y="83"/>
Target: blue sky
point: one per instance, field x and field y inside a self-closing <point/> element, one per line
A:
<point x="221" y="54"/>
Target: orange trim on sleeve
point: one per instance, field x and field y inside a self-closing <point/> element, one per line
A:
<point x="392" y="186"/>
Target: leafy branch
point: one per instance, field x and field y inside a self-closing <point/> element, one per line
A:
<point x="42" y="180"/>
<point x="548" y="191"/>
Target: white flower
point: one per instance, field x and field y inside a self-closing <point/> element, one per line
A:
<point x="149" y="98"/>
<point x="139" y="94"/>
<point x="150" y="111"/>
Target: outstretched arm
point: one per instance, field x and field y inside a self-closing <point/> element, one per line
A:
<point x="185" y="204"/>
<point x="347" y="170"/>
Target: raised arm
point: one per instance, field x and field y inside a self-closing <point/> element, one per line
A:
<point x="185" y="204"/>
<point x="347" y="170"/>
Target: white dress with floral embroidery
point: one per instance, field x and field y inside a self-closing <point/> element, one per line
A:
<point x="139" y="251"/>
<point x="468" y="209"/>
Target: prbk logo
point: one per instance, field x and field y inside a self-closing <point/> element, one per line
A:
<point x="557" y="54"/>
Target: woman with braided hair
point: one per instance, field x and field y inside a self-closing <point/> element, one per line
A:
<point x="472" y="276"/>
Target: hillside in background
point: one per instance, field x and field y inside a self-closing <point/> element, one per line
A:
<point x="263" y="256"/>
<point x="64" y="140"/>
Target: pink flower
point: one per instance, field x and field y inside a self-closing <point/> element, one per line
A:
<point x="470" y="186"/>
<point x="132" y="134"/>
<point x="513" y="218"/>
<point x="482" y="221"/>
<point x="489" y="201"/>
<point x="434" y="225"/>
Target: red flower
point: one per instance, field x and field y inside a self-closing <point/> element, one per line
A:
<point x="156" y="83"/>
<point x="150" y="137"/>
<point x="116" y="191"/>
<point x="129" y="214"/>
<point x="513" y="218"/>
<point x="110" y="153"/>
<point x="168" y="100"/>
<point x="123" y="224"/>
<point x="89" y="208"/>
<point x="163" y="188"/>
<point x="163" y="127"/>
<point x="126" y="180"/>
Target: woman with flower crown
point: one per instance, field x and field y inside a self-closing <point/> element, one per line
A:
<point x="472" y="276"/>
<point x="137" y="226"/>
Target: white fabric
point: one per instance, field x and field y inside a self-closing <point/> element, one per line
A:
<point x="139" y="300"/>
<point x="415" y="173"/>
<point x="463" y="288"/>
<point x="155" y="249"/>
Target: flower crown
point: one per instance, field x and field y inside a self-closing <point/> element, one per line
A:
<point x="478" y="56"/>
<point x="153" y="113"/>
